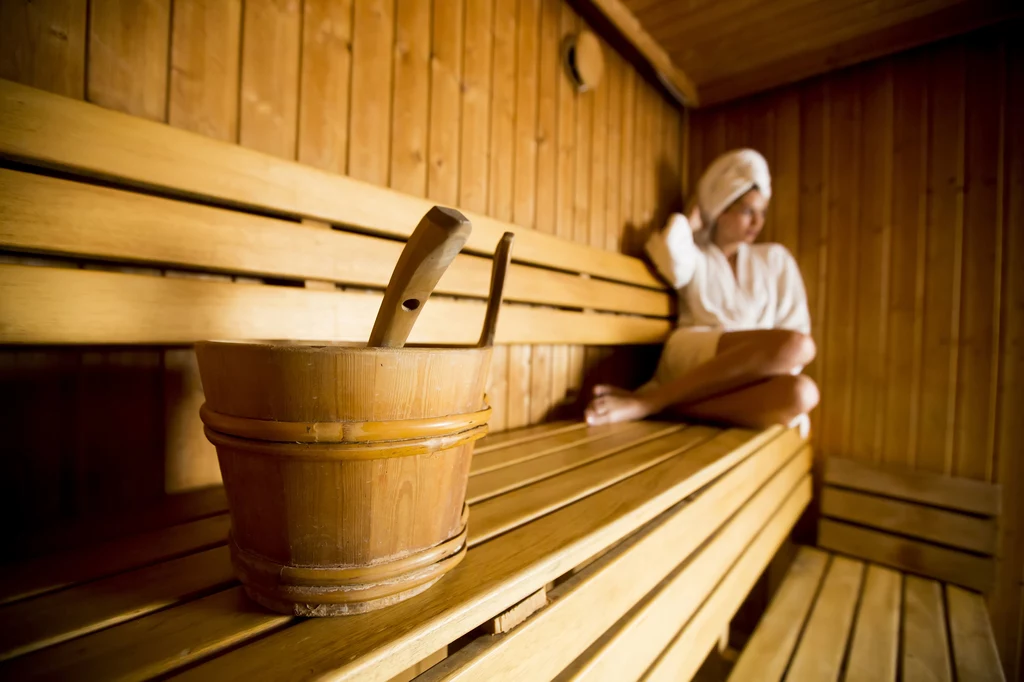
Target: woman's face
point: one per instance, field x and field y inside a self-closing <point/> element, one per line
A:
<point x="742" y="221"/>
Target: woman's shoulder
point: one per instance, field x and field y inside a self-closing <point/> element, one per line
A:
<point x="772" y="252"/>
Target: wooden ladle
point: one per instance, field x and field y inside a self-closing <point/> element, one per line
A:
<point x="431" y="248"/>
<point x="502" y="256"/>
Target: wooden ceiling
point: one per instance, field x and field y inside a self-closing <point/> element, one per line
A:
<point x="731" y="48"/>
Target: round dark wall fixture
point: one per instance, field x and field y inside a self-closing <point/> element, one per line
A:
<point x="583" y="59"/>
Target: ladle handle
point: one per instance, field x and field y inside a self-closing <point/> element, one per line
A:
<point x="502" y="256"/>
<point x="431" y="248"/>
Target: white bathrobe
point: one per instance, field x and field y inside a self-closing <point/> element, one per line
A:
<point x="766" y="292"/>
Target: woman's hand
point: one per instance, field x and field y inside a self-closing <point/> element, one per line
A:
<point x="693" y="216"/>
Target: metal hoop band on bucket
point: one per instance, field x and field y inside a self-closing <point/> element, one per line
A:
<point x="342" y="431"/>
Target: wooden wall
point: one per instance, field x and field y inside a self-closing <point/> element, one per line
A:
<point x="899" y="186"/>
<point x="461" y="101"/>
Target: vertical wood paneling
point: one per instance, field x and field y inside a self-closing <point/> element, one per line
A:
<point x="786" y="172"/>
<point x="584" y="169"/>
<point x="445" y="103"/>
<point x="42" y="44"/>
<point x="627" y="216"/>
<point x="975" y="409"/>
<point x="565" y="190"/>
<point x="324" y="84"/>
<point x="369" y="150"/>
<point x="613" y="218"/>
<point x="269" y="111"/>
<point x="942" y="261"/>
<point x="411" y="98"/>
<point x="127" y="67"/>
<point x="598" y="161"/>
<point x="205" y="41"/>
<point x="873" y="234"/>
<point x="475" y="153"/>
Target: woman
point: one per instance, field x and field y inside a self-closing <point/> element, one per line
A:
<point x="744" y="328"/>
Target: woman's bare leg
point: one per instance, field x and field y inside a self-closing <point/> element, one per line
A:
<point x="742" y="358"/>
<point x="778" y="400"/>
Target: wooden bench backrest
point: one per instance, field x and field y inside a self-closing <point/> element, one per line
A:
<point x="938" y="526"/>
<point x="137" y="194"/>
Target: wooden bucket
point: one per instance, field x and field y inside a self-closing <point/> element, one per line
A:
<point x="345" y="467"/>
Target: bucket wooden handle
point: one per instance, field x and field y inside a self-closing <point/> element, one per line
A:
<point x="430" y="250"/>
<point x="502" y="256"/>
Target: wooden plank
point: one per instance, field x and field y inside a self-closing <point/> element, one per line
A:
<point x="974" y="647"/>
<point x="906" y="291"/>
<point x="925" y="649"/>
<point x="874" y="648"/>
<point x="584" y="168"/>
<point x="60" y="132"/>
<point x="626" y="158"/>
<point x="50" y="619"/>
<point x="474" y="161"/>
<point x="50" y="305"/>
<point x="497" y="441"/>
<point x="922" y="558"/>
<point x="633" y="643"/>
<point x="598" y="144"/>
<point x="548" y="100"/>
<point x="190" y="459"/>
<point x="503" y="110"/>
<point x="410" y="94"/>
<point x="524" y="153"/>
<point x="614" y="76"/>
<point x="325" y="76"/>
<point x="974" y="424"/>
<point x="873" y="264"/>
<point x="540" y="383"/>
<point x="55" y="572"/>
<point x="511" y="618"/>
<point x="518" y="406"/>
<point x="943" y="261"/>
<point x="497" y="389"/>
<point x="128" y="56"/>
<point x="494" y="576"/>
<point x="269" y="105"/>
<point x="786" y="171"/>
<point x="905" y="518"/>
<point x="677" y="82"/>
<point x="205" y="40"/>
<point x="505" y="512"/>
<point x="567" y="99"/>
<point x="445" y="103"/>
<point x="153" y="645"/>
<point x="963" y="494"/>
<point x="497" y="481"/>
<point x="373" y="33"/>
<point x="125" y="226"/>
<point x="688" y="651"/>
<point x="623" y="576"/>
<point x="839" y="333"/>
<point x="819" y="655"/>
<point x="43" y="45"/>
<point x="766" y="655"/>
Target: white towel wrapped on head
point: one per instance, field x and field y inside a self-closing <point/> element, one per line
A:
<point x="729" y="177"/>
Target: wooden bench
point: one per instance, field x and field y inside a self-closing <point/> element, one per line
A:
<point x="894" y="592"/>
<point x="627" y="549"/>
<point x="635" y="536"/>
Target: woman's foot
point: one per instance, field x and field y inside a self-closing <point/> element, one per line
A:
<point x="611" y="405"/>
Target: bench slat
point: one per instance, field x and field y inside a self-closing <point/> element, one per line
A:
<point x="32" y="624"/>
<point x="925" y="650"/>
<point x="505" y="512"/>
<point x="515" y="453"/>
<point x="909" y="555"/>
<point x="156" y="644"/>
<point x="687" y="652"/>
<point x="49" y="573"/>
<point x="56" y="305"/>
<point x="874" y="650"/>
<point x="493" y="577"/>
<point x="52" y="215"/>
<point x="634" y="644"/>
<point x="767" y="654"/>
<point x="907" y="518"/>
<point x="964" y="494"/>
<point x="819" y="655"/>
<point x="623" y="576"/>
<point x="51" y="130"/>
<point x="974" y="647"/>
<point x="493" y="483"/>
<point x="505" y="439"/>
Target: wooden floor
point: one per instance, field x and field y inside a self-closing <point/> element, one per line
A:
<point x="633" y="502"/>
<point x="835" y="615"/>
